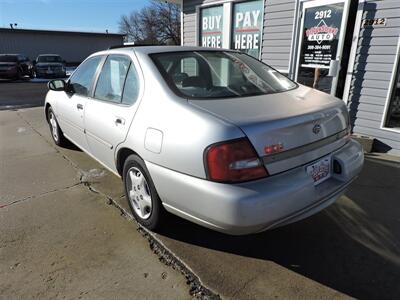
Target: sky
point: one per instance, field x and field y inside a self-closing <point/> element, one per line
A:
<point x="74" y="15"/>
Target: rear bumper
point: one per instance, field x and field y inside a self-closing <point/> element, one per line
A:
<point x="258" y="205"/>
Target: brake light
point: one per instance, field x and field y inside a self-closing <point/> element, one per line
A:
<point x="233" y="161"/>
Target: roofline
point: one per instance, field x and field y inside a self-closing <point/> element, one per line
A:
<point x="19" y="30"/>
<point x="172" y="1"/>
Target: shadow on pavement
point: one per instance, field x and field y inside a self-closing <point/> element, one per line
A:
<point x="352" y="247"/>
<point x="71" y="146"/>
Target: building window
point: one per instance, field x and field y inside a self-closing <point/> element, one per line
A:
<point x="393" y="111"/>
<point x="247" y="27"/>
<point x="211" y="26"/>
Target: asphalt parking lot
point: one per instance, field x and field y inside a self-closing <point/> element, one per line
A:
<point x="66" y="232"/>
<point x="25" y="92"/>
<point x="22" y="93"/>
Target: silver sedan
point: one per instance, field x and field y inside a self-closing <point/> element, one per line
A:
<point x="213" y="136"/>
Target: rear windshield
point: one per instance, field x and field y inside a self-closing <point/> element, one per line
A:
<point x="8" y="58"/>
<point x="49" y="59"/>
<point x="219" y="74"/>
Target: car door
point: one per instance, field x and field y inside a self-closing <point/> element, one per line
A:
<point x="71" y="106"/>
<point x="109" y="114"/>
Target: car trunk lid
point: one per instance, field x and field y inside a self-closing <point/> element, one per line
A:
<point x="298" y="122"/>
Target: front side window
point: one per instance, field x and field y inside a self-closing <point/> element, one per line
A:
<point x="111" y="81"/>
<point x="49" y="59"/>
<point x="82" y="80"/>
<point x="8" y="58"/>
<point x="393" y="112"/>
<point x="220" y="74"/>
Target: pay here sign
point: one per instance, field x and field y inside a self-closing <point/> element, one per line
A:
<point x="247" y="27"/>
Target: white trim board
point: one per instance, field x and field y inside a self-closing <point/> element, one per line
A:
<point x="391" y="89"/>
<point x="353" y="51"/>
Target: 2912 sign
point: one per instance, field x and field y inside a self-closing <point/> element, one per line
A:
<point x="323" y="14"/>
<point x="374" y="22"/>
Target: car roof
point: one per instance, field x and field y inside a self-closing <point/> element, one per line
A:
<point x="48" y="55"/>
<point x="159" y="49"/>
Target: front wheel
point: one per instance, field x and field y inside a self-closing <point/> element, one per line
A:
<point x="141" y="194"/>
<point x="55" y="130"/>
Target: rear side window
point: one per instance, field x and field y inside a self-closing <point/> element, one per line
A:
<point x="110" y="84"/>
<point x="131" y="89"/>
<point x="82" y="80"/>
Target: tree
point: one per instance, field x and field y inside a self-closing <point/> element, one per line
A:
<point x="156" y="24"/>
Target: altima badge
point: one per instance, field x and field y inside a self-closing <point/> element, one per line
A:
<point x="316" y="129"/>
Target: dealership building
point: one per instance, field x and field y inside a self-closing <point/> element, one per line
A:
<point x="348" y="48"/>
<point x="73" y="46"/>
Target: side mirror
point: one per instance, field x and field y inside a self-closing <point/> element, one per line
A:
<point x="57" y="85"/>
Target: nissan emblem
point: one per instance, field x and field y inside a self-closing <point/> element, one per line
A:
<point x="316" y="129"/>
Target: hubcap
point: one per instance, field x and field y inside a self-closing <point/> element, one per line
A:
<point x="53" y="124"/>
<point x="139" y="193"/>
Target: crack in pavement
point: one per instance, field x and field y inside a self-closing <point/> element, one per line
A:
<point x="196" y="287"/>
<point x="39" y="195"/>
<point x="244" y="286"/>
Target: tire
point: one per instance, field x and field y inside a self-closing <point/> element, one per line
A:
<point x="140" y="192"/>
<point x="55" y="130"/>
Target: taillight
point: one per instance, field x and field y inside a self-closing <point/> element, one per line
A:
<point x="233" y="161"/>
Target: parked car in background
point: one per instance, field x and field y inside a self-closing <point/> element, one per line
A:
<point x="214" y="136"/>
<point x="15" y="66"/>
<point x="50" y="66"/>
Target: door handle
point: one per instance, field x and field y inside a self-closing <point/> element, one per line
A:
<point x="79" y="106"/>
<point x="119" y="121"/>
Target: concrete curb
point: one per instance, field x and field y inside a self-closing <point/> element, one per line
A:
<point x="166" y="256"/>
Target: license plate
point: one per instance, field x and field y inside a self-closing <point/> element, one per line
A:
<point x="320" y="170"/>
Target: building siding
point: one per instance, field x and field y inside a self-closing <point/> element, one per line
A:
<point x="73" y="47"/>
<point x="190" y="20"/>
<point x="370" y="85"/>
<point x="277" y="33"/>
